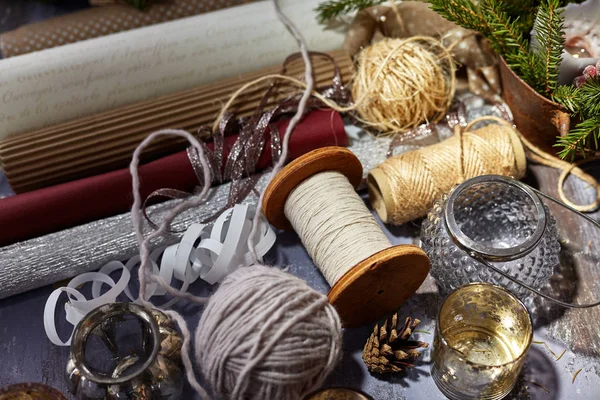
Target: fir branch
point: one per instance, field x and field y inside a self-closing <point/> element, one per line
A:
<point x="506" y="36"/>
<point x="589" y="98"/>
<point x="567" y="96"/>
<point x="579" y="139"/>
<point x="584" y="103"/>
<point x="525" y="24"/>
<point x="529" y="68"/>
<point x="335" y="8"/>
<point x="549" y="28"/>
<point x="462" y="12"/>
<point x="505" y="31"/>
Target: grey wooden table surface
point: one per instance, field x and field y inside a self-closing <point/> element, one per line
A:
<point x="27" y="356"/>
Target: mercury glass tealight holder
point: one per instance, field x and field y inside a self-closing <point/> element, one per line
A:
<point x="125" y="351"/>
<point x="482" y="336"/>
<point x="491" y="220"/>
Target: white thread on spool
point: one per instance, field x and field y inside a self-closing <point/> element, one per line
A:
<point x="315" y="195"/>
<point x="335" y="226"/>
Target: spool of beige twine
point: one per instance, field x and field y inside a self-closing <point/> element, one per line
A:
<point x="405" y="187"/>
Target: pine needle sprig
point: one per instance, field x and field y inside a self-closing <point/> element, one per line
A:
<point x="549" y="28"/>
<point x="583" y="103"/>
<point x="335" y="8"/>
<point x="568" y="97"/>
<point x="579" y="140"/>
<point x="462" y="12"/>
<point x="505" y="31"/>
<point x="524" y="10"/>
<point x="507" y="39"/>
<point x="589" y="98"/>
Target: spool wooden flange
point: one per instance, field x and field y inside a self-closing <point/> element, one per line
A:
<point x="374" y="287"/>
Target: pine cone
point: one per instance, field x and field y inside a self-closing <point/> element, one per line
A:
<point x="392" y="351"/>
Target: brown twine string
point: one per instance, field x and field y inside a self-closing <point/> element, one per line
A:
<point x="246" y="150"/>
<point x="395" y="108"/>
<point x="405" y="187"/>
<point x="539" y="156"/>
<point x="417" y="106"/>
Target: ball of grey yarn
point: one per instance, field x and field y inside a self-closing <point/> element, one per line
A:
<point x="266" y="334"/>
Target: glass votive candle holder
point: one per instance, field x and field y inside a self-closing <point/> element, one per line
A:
<point x="491" y="220"/>
<point x="481" y="341"/>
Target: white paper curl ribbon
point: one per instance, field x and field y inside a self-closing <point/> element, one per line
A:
<point x="208" y="252"/>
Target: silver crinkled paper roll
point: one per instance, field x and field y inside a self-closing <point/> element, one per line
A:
<point x="58" y="256"/>
<point x="52" y="258"/>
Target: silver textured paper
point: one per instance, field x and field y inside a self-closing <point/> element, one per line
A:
<point x="48" y="259"/>
<point x="58" y="256"/>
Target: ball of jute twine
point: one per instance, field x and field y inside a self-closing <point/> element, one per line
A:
<point x="401" y="83"/>
<point x="404" y="187"/>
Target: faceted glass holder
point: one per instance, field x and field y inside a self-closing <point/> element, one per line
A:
<point x="496" y="218"/>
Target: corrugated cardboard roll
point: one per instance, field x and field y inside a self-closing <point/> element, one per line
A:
<point x="104" y="142"/>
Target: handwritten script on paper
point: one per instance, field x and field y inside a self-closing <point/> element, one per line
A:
<point x="55" y="85"/>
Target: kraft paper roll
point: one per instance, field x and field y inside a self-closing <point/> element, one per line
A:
<point x="104" y="142"/>
<point x="101" y="21"/>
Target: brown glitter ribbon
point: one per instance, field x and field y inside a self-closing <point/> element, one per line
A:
<point x="245" y="152"/>
<point x="456" y="117"/>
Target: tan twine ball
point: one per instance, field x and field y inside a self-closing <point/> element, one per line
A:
<point x="401" y="83"/>
<point x="398" y="84"/>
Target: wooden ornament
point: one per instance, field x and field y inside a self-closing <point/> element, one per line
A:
<point x="375" y="286"/>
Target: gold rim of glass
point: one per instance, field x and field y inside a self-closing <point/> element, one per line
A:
<point x="523" y="352"/>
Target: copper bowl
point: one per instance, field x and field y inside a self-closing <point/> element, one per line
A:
<point x="539" y="119"/>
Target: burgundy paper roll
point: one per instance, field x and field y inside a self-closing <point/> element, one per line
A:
<point x="52" y="209"/>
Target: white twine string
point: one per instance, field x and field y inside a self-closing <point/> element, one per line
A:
<point x="136" y="212"/>
<point x="149" y="279"/>
<point x="308" y="77"/>
<point x="334" y="224"/>
<point x="144" y="244"/>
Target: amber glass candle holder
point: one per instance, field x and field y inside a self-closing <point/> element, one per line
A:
<point x="481" y="340"/>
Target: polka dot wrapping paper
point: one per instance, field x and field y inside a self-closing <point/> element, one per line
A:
<point x="101" y="21"/>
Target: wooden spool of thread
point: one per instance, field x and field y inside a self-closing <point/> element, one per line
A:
<point x="315" y="196"/>
<point x="405" y="187"/>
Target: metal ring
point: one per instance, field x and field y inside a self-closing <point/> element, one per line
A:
<point x="98" y="316"/>
<point x="482" y="249"/>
